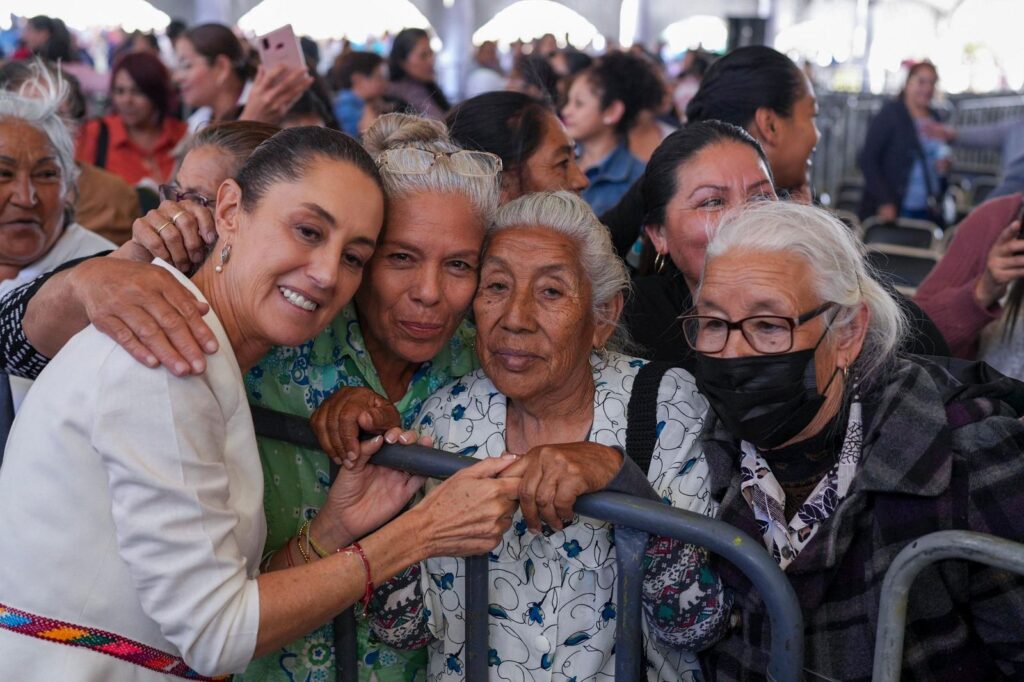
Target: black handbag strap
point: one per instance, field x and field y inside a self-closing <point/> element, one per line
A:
<point x="102" y="143"/>
<point x="642" y="413"/>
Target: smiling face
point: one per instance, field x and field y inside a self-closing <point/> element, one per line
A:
<point x="420" y="62"/>
<point x="200" y="81"/>
<point x="535" y="323"/>
<point x="298" y="257"/>
<point x="31" y="194"/>
<point x="134" y="108"/>
<point x="421" y="280"/>
<point x="720" y="177"/>
<point x="798" y="135"/>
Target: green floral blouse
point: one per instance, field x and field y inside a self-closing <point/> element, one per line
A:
<point x="296" y="480"/>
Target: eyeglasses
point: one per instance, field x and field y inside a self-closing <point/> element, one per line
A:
<point x="175" y="193"/>
<point x="766" y="334"/>
<point x="416" y="161"/>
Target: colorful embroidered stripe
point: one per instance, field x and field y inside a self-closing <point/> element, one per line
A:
<point x="98" y="640"/>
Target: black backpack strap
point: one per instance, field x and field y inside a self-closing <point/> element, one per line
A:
<point x="102" y="142"/>
<point x="642" y="413"/>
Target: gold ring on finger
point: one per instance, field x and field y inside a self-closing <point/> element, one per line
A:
<point x="174" y="218"/>
<point x="163" y="226"/>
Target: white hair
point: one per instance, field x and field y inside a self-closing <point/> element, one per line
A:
<point x="399" y="131"/>
<point x="568" y="214"/>
<point x="38" y="103"/>
<point x="840" y="270"/>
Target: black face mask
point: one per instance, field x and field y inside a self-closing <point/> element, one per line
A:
<point x="763" y="399"/>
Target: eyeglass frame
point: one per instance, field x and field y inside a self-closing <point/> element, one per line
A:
<point x="383" y="158"/>
<point x="793" y="322"/>
<point x="176" y="193"/>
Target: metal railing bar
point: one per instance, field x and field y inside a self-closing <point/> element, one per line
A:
<point x="477" y="626"/>
<point x="730" y="543"/>
<point x="926" y="550"/>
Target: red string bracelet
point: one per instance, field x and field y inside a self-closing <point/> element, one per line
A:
<point x="356" y="548"/>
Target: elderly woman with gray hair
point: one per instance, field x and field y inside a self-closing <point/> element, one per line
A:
<point x="37" y="192"/>
<point x="553" y="389"/>
<point x="839" y="452"/>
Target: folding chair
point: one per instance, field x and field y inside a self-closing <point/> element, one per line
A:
<point x="904" y="266"/>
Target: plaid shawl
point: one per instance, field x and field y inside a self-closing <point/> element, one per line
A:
<point x="926" y="466"/>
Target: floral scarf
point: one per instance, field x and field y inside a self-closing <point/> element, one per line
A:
<point x="768" y="500"/>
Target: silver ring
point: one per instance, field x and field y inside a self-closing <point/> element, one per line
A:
<point x="174" y="218"/>
<point x="163" y="226"/>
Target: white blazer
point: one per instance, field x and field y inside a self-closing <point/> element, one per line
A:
<point x="131" y="501"/>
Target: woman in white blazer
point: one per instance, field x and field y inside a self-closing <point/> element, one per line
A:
<point x="131" y="499"/>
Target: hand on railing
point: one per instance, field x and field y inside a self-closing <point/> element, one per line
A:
<point x="553" y="476"/>
<point x="468" y="513"/>
<point x="365" y="496"/>
<point x="339" y="420"/>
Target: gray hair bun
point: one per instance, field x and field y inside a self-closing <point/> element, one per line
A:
<point x="394" y="131"/>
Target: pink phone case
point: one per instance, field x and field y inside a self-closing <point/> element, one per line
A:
<point x="280" y="46"/>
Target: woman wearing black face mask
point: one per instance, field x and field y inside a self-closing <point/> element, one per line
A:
<point x="838" y="452"/>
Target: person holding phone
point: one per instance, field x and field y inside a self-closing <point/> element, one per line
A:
<point x="974" y="294"/>
<point x="219" y="80"/>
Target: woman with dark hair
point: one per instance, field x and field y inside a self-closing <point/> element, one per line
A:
<point x="536" y="153"/>
<point x="411" y="69"/>
<point x="150" y="549"/>
<point x="604" y="103"/>
<point x="219" y="79"/>
<point x="693" y="179"/>
<point x="360" y="79"/>
<point x="904" y="166"/>
<point x="137" y="140"/>
<point x="762" y="91"/>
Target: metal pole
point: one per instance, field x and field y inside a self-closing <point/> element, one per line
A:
<point x="947" y="544"/>
<point x="477" y="619"/>
<point x="630" y="546"/>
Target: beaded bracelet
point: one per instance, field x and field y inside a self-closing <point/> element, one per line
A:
<point x="318" y="548"/>
<point x="356" y="548"/>
<point x="304" y="530"/>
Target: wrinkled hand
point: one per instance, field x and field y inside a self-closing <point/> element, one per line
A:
<point x="887" y="213"/>
<point x="274" y="91"/>
<point x="148" y="313"/>
<point x="553" y="476"/>
<point x="339" y="419"/>
<point x="468" y="513"/>
<point x="178" y="232"/>
<point x="366" y="496"/>
<point x="1005" y="264"/>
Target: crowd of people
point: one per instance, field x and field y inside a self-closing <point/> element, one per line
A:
<point x="578" y="257"/>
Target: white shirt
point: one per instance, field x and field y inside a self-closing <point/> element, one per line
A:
<point x="201" y="117"/>
<point x="482" y="79"/>
<point x="132" y="502"/>
<point x="552" y="598"/>
<point x="76" y="242"/>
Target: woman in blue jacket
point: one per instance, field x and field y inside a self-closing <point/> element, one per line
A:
<point x="904" y="165"/>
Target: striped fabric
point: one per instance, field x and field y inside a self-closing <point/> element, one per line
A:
<point x="101" y="641"/>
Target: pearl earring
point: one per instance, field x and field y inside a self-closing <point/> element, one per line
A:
<point x="225" y="254"/>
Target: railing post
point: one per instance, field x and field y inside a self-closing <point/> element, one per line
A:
<point x="947" y="544"/>
<point x="477" y="618"/>
<point x="630" y="545"/>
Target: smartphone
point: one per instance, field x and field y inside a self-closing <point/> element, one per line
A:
<point x="1020" y="235"/>
<point x="280" y="46"/>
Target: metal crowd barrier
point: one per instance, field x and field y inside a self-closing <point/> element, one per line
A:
<point x="634" y="518"/>
<point x="948" y="544"/>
